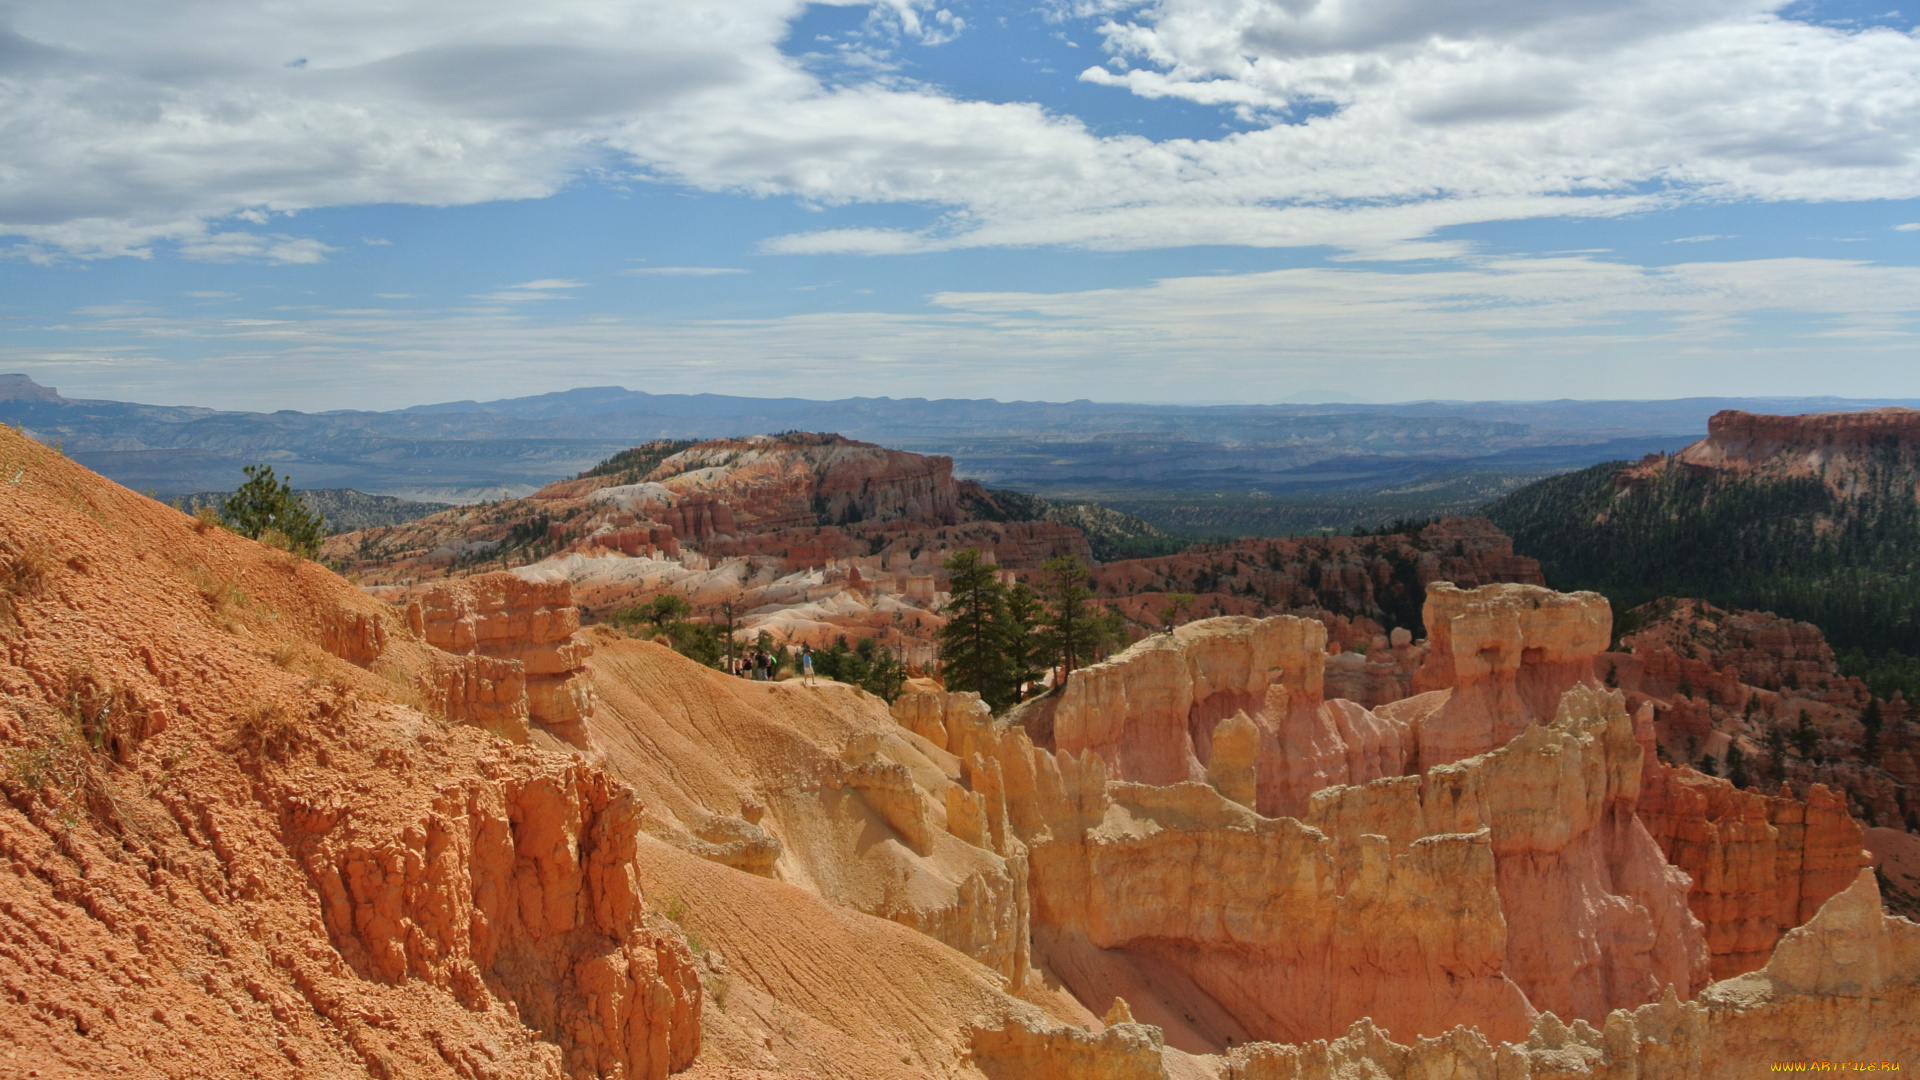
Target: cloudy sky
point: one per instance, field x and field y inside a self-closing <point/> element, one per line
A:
<point x="351" y="204"/>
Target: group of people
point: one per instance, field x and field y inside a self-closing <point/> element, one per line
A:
<point x="763" y="665"/>
<point x="757" y="664"/>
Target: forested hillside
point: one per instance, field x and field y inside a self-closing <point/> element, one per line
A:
<point x="1793" y="545"/>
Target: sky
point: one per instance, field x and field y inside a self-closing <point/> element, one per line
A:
<point x="370" y="205"/>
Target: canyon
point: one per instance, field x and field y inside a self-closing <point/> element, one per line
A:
<point x="262" y="822"/>
<point x="812" y="538"/>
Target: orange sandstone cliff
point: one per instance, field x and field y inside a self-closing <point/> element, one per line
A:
<point x="246" y="836"/>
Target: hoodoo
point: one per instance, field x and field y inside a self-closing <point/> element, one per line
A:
<point x="261" y="823"/>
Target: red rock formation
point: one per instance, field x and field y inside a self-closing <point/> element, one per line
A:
<point x="1735" y="439"/>
<point x="532" y="624"/>
<point x="241" y="847"/>
<point x="1839" y="449"/>
<point x="1563" y="902"/>
<point x="1506" y="653"/>
<point x="1844" y="988"/>
<point x="524" y="882"/>
<point x="1150" y="712"/>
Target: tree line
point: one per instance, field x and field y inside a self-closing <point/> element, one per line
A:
<point x="1000" y="640"/>
<point x="1848" y="564"/>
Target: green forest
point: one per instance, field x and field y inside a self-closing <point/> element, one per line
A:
<point x="1849" y="565"/>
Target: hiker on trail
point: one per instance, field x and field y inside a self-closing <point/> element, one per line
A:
<point x="806" y="663"/>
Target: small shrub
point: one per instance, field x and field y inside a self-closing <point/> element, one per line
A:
<point x="25" y="567"/>
<point x="108" y="718"/>
<point x="266" y="733"/>
<point x="265" y="504"/>
<point x="59" y="765"/>
<point x="59" y="770"/>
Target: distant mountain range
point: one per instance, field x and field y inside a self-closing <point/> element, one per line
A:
<point x="1194" y="470"/>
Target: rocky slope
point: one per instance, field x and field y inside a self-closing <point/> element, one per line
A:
<point x="249" y="833"/>
<point x="1361" y="586"/>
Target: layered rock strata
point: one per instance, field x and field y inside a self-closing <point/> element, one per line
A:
<point x="1150" y="712"/>
<point x="503" y="617"/>
<point x="1505" y="653"/>
<point x="1486" y="889"/>
<point x="1840" y="993"/>
<point x="1759" y="864"/>
<point x="1831" y="446"/>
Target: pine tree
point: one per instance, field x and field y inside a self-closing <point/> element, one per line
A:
<point x="265" y="508"/>
<point x="1073" y="632"/>
<point x="973" y="654"/>
<point x="1178" y="604"/>
<point x="1806" y="737"/>
<point x="1776" y="754"/>
<point x="1021" y="639"/>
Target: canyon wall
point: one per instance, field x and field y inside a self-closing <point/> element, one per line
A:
<point x="1843" y="989"/>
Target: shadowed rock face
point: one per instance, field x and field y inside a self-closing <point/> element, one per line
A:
<point x="1844" y="987"/>
<point x="1758" y="864"/>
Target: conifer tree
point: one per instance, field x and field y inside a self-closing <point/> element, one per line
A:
<point x="1025" y="648"/>
<point x="973" y="655"/>
<point x="266" y="508"/>
<point x="1075" y="630"/>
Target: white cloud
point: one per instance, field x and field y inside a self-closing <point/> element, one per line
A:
<point x="529" y="291"/>
<point x="127" y="125"/>
<point x="850" y="242"/>
<point x="1911" y="226"/>
<point x="1569" y="326"/>
<point x="244" y="247"/>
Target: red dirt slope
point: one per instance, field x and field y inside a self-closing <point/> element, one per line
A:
<point x="239" y="843"/>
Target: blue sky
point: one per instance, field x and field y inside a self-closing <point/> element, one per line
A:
<point x="1193" y="200"/>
